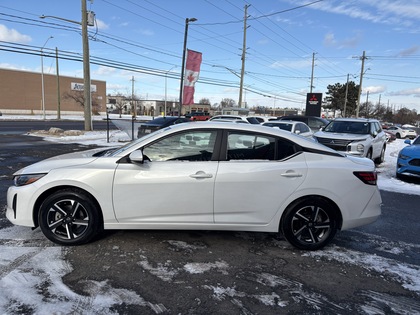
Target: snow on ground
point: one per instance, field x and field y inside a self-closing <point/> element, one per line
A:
<point x="24" y="252"/>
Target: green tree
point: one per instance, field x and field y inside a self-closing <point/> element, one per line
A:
<point x="335" y="98"/>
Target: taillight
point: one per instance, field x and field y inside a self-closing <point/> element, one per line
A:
<point x="369" y="178"/>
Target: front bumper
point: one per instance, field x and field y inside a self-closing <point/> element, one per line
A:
<point x="19" y="209"/>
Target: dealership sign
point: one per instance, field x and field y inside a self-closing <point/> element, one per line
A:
<point x="80" y="87"/>
<point x="313" y="104"/>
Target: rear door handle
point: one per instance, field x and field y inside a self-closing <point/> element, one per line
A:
<point x="291" y="174"/>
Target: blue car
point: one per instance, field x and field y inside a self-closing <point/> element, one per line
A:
<point x="408" y="163"/>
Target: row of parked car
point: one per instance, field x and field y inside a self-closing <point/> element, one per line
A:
<point x="354" y="136"/>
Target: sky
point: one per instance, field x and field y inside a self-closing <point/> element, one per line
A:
<point x="286" y="40"/>
<point x="24" y="252"/>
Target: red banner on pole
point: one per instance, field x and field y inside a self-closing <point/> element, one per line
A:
<point x="192" y="71"/>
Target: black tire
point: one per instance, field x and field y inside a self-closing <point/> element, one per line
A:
<point x="381" y="158"/>
<point x="69" y="217"/>
<point x="309" y="224"/>
<point x="398" y="136"/>
<point x="369" y="154"/>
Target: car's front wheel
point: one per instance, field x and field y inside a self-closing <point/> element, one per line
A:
<point x="69" y="217"/>
<point x="310" y="224"/>
<point x="381" y="158"/>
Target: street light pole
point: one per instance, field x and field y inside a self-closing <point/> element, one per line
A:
<point x="86" y="63"/>
<point x="42" y="78"/>
<point x="181" y="87"/>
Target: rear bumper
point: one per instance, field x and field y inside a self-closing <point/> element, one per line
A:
<point x="369" y="215"/>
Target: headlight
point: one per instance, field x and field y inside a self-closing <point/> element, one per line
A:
<point x="22" y="180"/>
<point x="403" y="157"/>
<point x="360" y="148"/>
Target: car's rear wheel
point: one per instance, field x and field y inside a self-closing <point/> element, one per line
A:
<point x="69" y="217"/>
<point x="310" y="224"/>
<point x="398" y="135"/>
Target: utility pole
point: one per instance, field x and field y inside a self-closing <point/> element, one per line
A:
<point x="360" y="84"/>
<point x="86" y="70"/>
<point x="345" y="97"/>
<point x="58" y="86"/>
<point x="367" y="104"/>
<point x="241" y="84"/>
<point x="134" y="106"/>
<point x="312" y="75"/>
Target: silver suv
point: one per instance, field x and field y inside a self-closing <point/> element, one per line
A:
<point x="355" y="136"/>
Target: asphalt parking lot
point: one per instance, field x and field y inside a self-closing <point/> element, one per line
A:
<point x="366" y="271"/>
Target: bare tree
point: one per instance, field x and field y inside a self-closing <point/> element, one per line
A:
<point x="227" y="102"/>
<point x="79" y="98"/>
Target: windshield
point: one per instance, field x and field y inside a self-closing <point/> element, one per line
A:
<point x="160" y="121"/>
<point x="356" y="127"/>
<point x="133" y="143"/>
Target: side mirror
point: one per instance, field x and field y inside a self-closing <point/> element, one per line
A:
<point x="297" y="132"/>
<point x="407" y="141"/>
<point x="137" y="156"/>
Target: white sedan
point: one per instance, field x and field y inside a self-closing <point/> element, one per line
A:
<point x="210" y="176"/>
<point x="402" y="132"/>
<point x="297" y="127"/>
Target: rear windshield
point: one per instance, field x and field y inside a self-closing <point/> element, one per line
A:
<point x="287" y="127"/>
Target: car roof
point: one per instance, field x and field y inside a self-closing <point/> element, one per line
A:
<point x="356" y="119"/>
<point x="227" y="116"/>
<point x="284" y="122"/>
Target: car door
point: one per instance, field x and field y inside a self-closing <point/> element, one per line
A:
<point x="259" y="173"/>
<point x="174" y="184"/>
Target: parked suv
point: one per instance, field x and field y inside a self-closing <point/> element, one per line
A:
<point x="355" y="136"/>
<point x="314" y="122"/>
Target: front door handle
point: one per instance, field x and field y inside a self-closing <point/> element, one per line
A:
<point x="201" y="174"/>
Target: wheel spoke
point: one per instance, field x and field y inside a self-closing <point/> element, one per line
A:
<point x="69" y="232"/>
<point x="54" y="225"/>
<point x="315" y="212"/>
<point x="57" y="208"/>
<point x="81" y="222"/>
<point x="322" y="226"/>
<point x="299" y="232"/>
<point x="314" y="237"/>
<point x="301" y="216"/>
<point x="74" y="208"/>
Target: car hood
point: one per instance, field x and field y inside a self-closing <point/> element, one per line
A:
<point x="412" y="151"/>
<point x="61" y="161"/>
<point x="339" y="135"/>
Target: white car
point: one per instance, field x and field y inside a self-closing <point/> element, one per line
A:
<point x="402" y="132"/>
<point x="262" y="119"/>
<point x="236" y="121"/>
<point x="355" y="136"/>
<point x="251" y="120"/>
<point x="225" y="170"/>
<point x="296" y="127"/>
